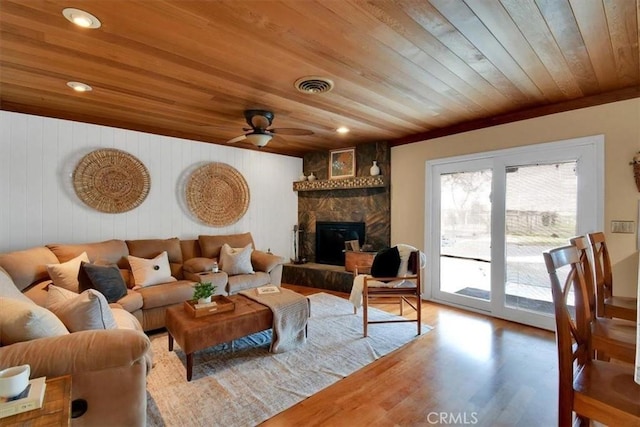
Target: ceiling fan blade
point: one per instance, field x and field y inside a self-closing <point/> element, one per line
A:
<point x="237" y="139"/>
<point x="291" y="131"/>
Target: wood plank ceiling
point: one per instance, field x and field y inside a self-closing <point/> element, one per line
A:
<point x="403" y="70"/>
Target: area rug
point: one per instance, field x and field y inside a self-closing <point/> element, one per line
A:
<point x="246" y="385"/>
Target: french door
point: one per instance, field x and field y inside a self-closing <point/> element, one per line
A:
<point x="492" y="215"/>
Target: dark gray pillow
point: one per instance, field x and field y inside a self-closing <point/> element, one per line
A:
<point x="105" y="279"/>
<point x="386" y="263"/>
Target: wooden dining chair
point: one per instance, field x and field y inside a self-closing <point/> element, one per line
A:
<point x="609" y="305"/>
<point x="405" y="289"/>
<point x="593" y="389"/>
<point x="609" y="337"/>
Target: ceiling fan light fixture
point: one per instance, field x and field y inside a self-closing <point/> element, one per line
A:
<point x="313" y="85"/>
<point x="81" y="18"/>
<point x="342" y="130"/>
<point x="259" y="139"/>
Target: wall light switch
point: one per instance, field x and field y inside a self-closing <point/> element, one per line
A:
<point x="622" y="227"/>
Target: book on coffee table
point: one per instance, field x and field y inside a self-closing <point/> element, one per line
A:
<point x="267" y="290"/>
<point x="31" y="398"/>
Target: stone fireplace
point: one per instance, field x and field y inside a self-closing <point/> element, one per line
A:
<point x="370" y="205"/>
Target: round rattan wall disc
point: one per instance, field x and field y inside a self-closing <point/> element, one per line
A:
<point x="217" y="194"/>
<point x="111" y="181"/>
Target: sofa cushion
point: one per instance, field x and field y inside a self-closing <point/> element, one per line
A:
<point x="8" y="288"/>
<point x="106" y="279"/>
<point x="199" y="264"/>
<point x="149" y="272"/>
<point x="235" y="261"/>
<point x="166" y="294"/>
<point x="211" y="245"/>
<point x="27" y="266"/>
<point x="263" y="261"/>
<point x="65" y="274"/>
<point x="247" y="281"/>
<point x="25" y="321"/>
<point x="132" y="301"/>
<point x="80" y="312"/>
<point x="151" y="248"/>
<point x="108" y="252"/>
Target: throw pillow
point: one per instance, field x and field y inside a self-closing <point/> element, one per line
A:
<point x="386" y="263"/>
<point x="149" y="272"/>
<point x="25" y="321"/>
<point x="8" y="289"/>
<point x="88" y="310"/>
<point x="235" y="261"/>
<point x="106" y="279"/>
<point x="65" y="275"/>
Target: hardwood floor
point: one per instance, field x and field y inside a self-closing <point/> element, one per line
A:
<point x="469" y="370"/>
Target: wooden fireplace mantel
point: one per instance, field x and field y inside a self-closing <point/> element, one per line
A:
<point x="340" y="184"/>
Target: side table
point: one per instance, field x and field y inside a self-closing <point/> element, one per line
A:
<point x="55" y="411"/>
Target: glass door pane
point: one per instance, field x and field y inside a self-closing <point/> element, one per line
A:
<point x="465" y="234"/>
<point x="541" y="213"/>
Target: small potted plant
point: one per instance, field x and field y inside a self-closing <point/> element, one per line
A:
<point x="203" y="292"/>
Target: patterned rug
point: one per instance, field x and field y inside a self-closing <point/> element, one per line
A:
<point x="247" y="385"/>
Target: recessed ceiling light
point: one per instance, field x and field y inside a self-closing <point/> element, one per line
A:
<point x="81" y="18"/>
<point x="79" y="87"/>
<point x="342" y="129"/>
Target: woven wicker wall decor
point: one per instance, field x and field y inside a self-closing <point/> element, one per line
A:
<point x="111" y="181"/>
<point x="217" y="194"/>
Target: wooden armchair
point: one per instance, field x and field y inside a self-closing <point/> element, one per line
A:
<point x="609" y="337"/>
<point x="593" y="389"/>
<point x="406" y="289"/>
<point x="609" y="305"/>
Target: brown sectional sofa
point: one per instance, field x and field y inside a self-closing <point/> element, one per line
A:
<point x="28" y="270"/>
<point x="109" y="367"/>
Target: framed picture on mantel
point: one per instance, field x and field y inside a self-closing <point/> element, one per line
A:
<point x="342" y="163"/>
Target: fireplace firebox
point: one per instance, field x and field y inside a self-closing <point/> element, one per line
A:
<point x="330" y="238"/>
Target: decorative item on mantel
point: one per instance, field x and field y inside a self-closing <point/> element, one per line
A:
<point x="342" y="163"/>
<point x="312" y="177"/>
<point x="375" y="169"/>
<point x="636" y="169"/>
<point x="302" y="177"/>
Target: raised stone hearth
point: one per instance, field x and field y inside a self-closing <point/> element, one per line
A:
<point x="323" y="276"/>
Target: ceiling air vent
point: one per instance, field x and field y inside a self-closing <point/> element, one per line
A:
<point x="313" y="85"/>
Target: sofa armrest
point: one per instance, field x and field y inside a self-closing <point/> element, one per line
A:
<point x="263" y="261"/>
<point x="78" y="352"/>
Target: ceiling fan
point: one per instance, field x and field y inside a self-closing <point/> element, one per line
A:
<point x="259" y="134"/>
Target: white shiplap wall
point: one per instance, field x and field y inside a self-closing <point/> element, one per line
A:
<point x="38" y="204"/>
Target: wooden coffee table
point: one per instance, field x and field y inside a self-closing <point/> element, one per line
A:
<point x="193" y="334"/>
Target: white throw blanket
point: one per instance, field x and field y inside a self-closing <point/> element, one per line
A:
<point x="290" y="315"/>
<point x="358" y="281"/>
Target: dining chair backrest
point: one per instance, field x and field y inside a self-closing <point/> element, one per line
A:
<point x="573" y="333"/>
<point x="602" y="268"/>
<point x="582" y="245"/>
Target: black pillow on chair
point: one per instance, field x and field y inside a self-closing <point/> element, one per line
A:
<point x="386" y="263"/>
<point x="104" y="278"/>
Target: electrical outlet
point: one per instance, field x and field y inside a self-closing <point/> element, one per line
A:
<point x="622" y="227"/>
